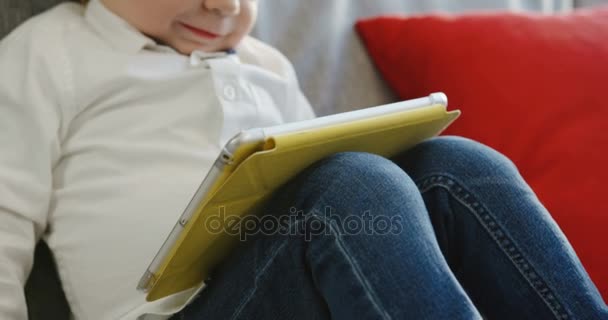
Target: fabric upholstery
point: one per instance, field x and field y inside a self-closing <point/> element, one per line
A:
<point x="317" y="36"/>
<point x="530" y="86"/>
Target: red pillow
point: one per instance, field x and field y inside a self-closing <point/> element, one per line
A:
<point x="531" y="86"/>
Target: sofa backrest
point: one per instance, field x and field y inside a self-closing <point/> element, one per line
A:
<point x="334" y="69"/>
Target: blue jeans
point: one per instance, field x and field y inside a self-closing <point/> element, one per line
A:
<point x="446" y="230"/>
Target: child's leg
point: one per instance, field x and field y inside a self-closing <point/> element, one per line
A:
<point x="500" y="242"/>
<point x="373" y="256"/>
<point x="503" y="247"/>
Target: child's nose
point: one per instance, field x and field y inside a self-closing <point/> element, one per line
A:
<point x="224" y="7"/>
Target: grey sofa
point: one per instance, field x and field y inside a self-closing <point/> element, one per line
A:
<point x="334" y="71"/>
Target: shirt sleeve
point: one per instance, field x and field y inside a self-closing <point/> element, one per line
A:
<point x="257" y="52"/>
<point x="304" y="110"/>
<point x="301" y="109"/>
<point x="29" y="126"/>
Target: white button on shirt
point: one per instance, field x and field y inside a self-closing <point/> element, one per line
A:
<point x="104" y="137"/>
<point x="229" y="92"/>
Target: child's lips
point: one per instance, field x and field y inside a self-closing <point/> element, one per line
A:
<point x="200" y="32"/>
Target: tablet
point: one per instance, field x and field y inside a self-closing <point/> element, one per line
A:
<point x="259" y="140"/>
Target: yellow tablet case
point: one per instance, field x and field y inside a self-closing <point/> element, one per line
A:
<point x="257" y="171"/>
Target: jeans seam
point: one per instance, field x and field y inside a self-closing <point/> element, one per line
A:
<point x="258" y="274"/>
<point x="356" y="269"/>
<point x="369" y="292"/>
<point x="499" y="235"/>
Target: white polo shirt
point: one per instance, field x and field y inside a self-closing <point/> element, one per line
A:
<point x="104" y="137"/>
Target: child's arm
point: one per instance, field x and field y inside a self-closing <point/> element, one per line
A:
<point x="257" y="52"/>
<point x="30" y="125"/>
<point x="301" y="110"/>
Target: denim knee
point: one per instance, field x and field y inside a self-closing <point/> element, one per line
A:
<point x="346" y="176"/>
<point x="455" y="156"/>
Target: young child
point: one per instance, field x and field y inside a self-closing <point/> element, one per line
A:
<point x="112" y="113"/>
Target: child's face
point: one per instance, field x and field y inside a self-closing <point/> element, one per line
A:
<point x="188" y="25"/>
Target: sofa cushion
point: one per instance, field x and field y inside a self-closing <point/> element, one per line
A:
<point x="531" y="86"/>
<point x="334" y="71"/>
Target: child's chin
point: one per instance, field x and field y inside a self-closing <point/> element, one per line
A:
<point x="188" y="49"/>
